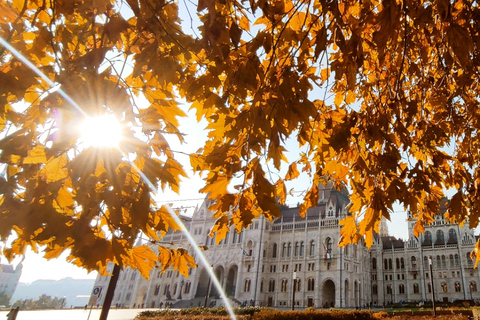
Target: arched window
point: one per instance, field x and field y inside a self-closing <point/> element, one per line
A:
<point x="458" y="288"/>
<point x="452" y="236"/>
<point x="274" y="252"/>
<point x="413" y="259"/>
<point x="397" y="263"/>
<point x="346" y="250"/>
<point x="271" y="285"/>
<point x="469" y="258"/>
<point x="298" y="283"/>
<point x="401" y="289"/>
<point x="402" y="263"/>
<point x="444" y="287"/>
<point x="473" y="286"/>
<point x="444" y="262"/>
<point x="175" y="289"/>
<point x="374" y="264"/>
<point x="451" y="261"/>
<point x="284" y="285"/>
<point x="289" y="250"/>
<point x="428" y="237"/>
<point x="457" y="261"/>
<point x="329" y="244"/>
<point x="330" y="211"/>
<point x="416" y="288"/>
<point x="390" y="264"/>
<point x="284" y="250"/>
<point x="385" y="262"/>
<point x="157" y="290"/>
<point x="389" y="289"/>
<point x="297" y="247"/>
<point x="312" y="248"/>
<point x="311" y="284"/>
<point x="439" y="264"/>
<point x="302" y="249"/>
<point x="261" y="286"/>
<point x="440" y="237"/>
<point x="374" y="289"/>
<point x="246" y="287"/>
<point x="429" y="287"/>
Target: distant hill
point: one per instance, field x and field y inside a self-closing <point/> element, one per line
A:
<point x="76" y="291"/>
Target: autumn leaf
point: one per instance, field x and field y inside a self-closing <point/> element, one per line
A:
<point x="144" y="259"/>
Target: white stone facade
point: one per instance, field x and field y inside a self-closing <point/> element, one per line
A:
<point x="258" y="265"/>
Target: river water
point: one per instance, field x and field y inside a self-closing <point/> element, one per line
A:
<point x="73" y="314"/>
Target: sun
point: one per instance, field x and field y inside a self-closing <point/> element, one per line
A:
<point x="101" y="131"/>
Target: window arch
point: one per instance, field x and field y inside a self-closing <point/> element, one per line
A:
<point x="289" y="249"/>
<point x="374" y="289"/>
<point x="298" y="284"/>
<point x="284" y="285"/>
<point x="457" y="260"/>
<point x="302" y="249"/>
<point x="397" y="263"/>
<point x="329" y="245"/>
<point x="274" y="252"/>
<point x="458" y="287"/>
<point x="444" y="262"/>
<point x="246" y="287"/>
<point x="413" y="260"/>
<point x="416" y="288"/>
<point x="312" y="247"/>
<point x="473" y="286"/>
<point x="452" y="236"/>
<point x="452" y="263"/>
<point x="385" y="262"/>
<point x="311" y="284"/>
<point x="284" y="250"/>
<point x="428" y="236"/>
<point x="297" y="248"/>
<point x="469" y="259"/>
<point x="402" y="263"/>
<point x="374" y="263"/>
<point x="444" y="287"/>
<point x="390" y="266"/>
<point x="440" y="237"/>
<point x="271" y="285"/>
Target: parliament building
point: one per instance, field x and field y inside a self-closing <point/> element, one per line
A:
<point x="265" y="263"/>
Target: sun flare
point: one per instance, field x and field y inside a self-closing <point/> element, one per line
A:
<point x="102" y="131"/>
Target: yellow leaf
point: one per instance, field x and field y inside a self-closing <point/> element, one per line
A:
<point x="244" y="23"/>
<point x="292" y="172"/>
<point x="351" y="97"/>
<point x="143" y="259"/>
<point x="281" y="191"/>
<point x="183" y="262"/>
<point x="55" y="169"/>
<point x="163" y="221"/>
<point x="216" y="186"/>
<point x="220" y="228"/>
<point x="36" y="155"/>
<point x="65" y="200"/>
<point x="338" y="98"/>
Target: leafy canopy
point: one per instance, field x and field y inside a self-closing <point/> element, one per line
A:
<point x="380" y="95"/>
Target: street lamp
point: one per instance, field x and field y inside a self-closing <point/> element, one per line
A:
<point x="294" y="287"/>
<point x="433" y="289"/>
